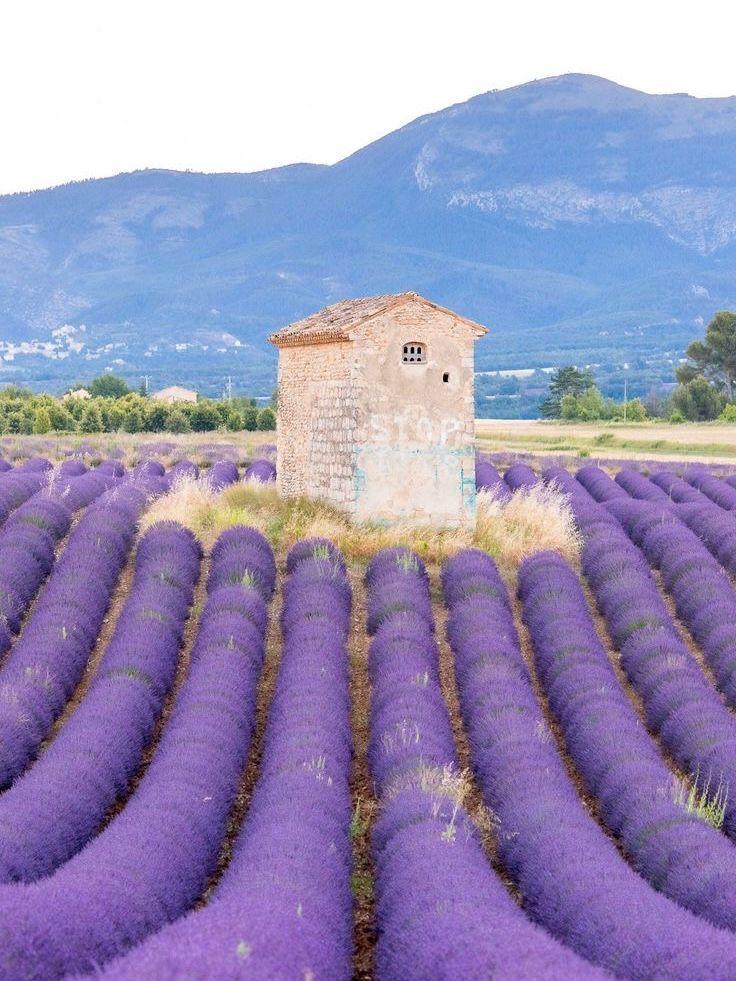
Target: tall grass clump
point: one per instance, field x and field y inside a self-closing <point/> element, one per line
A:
<point x="535" y="518"/>
<point x="709" y="806"/>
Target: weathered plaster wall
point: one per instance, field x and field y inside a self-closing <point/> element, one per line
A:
<point x="414" y="454"/>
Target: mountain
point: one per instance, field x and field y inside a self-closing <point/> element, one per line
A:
<point x="580" y="220"/>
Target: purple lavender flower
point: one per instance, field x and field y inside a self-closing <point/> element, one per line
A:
<point x="571" y="877"/>
<point x="153" y="860"/>
<point x="283" y="907"/>
<point x="261" y="471"/>
<point x="520" y="476"/>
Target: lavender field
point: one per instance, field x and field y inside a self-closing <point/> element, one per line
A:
<point x="239" y="738"/>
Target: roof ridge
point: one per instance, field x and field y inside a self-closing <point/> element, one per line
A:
<point x="334" y="322"/>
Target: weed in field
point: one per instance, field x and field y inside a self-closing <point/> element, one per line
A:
<point x="534" y="519"/>
<point x="700" y="801"/>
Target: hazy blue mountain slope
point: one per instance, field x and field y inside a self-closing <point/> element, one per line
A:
<point x="571" y="215"/>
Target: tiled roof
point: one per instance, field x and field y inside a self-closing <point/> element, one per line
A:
<point x="335" y="322"/>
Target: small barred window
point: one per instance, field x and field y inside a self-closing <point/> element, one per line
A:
<point x="414" y="353"/>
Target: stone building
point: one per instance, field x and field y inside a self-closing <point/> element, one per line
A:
<point x="376" y="411"/>
<point x="174" y="393"/>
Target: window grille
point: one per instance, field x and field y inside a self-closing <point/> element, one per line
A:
<point x="414" y="353"/>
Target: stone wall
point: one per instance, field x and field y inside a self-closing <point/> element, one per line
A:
<point x="315" y="424"/>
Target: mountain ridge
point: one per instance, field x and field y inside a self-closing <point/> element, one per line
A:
<point x="578" y="218"/>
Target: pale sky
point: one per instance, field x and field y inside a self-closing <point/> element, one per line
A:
<point x="94" y="87"/>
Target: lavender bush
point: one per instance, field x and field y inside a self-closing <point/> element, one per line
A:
<point x="153" y="860"/>
<point x="48" y="658"/>
<point x="438" y="902"/>
<point x="51" y="811"/>
<point x="639" y="799"/>
<point x="571" y="877"/>
<point x="283" y="908"/>
<point x="487" y="478"/>
<point x="520" y="475"/>
<point x="260" y="471"/>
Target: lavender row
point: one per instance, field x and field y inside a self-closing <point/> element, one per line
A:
<point x="719" y="491"/>
<point x="637" y="485"/>
<point x="52" y="810"/>
<point x="520" y="476"/>
<point x="16" y="487"/>
<point x="677" y="489"/>
<point x="153" y="860"/>
<point x="639" y="799"/>
<point x="716" y="530"/>
<point x="571" y="876"/>
<point x="704" y="596"/>
<point x="260" y="471"/>
<point x="681" y="705"/>
<point x="438" y="902"/>
<point x="487" y="478"/>
<point x="283" y="908"/>
<point x="49" y="656"/>
<point x="29" y="538"/>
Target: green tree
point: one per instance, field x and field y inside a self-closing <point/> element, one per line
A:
<point x="234" y="421"/>
<point x="132" y="420"/>
<point x="42" y="421"/>
<point x="108" y="386"/>
<point x="91" y="421"/>
<point x="587" y="406"/>
<point x="250" y="418"/>
<point x="204" y="417"/>
<point x="565" y="381"/>
<point x="266" y="419"/>
<point x="223" y="411"/>
<point x="635" y="410"/>
<point x="714" y="357"/>
<point x="177" y="422"/>
<point x="697" y="400"/>
<point x="157" y="417"/>
<point x="114" y="418"/>
<point x="17" y="422"/>
<point x="75" y="407"/>
<point x="61" y="420"/>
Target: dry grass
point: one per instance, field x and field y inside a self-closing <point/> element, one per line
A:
<point x="202" y="448"/>
<point x="707" y="442"/>
<point x="190" y="502"/>
<point x="534" y="519"/>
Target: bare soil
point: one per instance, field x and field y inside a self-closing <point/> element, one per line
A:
<point x="365" y="806"/>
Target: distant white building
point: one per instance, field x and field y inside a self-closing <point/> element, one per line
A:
<point x="175" y="393"/>
<point x="78" y="393"/>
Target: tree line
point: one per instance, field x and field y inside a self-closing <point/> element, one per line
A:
<point x="114" y="407"/>
<point x="706" y="388"/>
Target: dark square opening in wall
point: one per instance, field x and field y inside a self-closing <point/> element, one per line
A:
<point x="446" y="376"/>
<point x="414" y="353"/>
